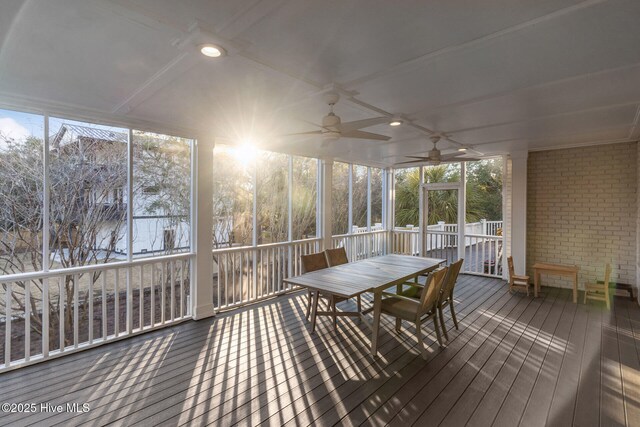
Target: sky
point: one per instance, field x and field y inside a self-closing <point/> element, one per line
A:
<point x="18" y="126"/>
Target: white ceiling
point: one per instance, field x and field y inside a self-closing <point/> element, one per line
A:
<point x="496" y="75"/>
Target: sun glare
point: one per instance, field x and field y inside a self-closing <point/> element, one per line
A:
<point x="244" y="153"/>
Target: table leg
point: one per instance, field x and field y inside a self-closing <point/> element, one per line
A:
<point x="536" y="283"/>
<point x="314" y="310"/>
<point x="575" y="288"/>
<point x="377" y="306"/>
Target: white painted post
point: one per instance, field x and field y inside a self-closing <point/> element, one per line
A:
<point x="129" y="304"/>
<point x="290" y="251"/>
<point x="518" y="233"/>
<point x="388" y="209"/>
<point x="324" y="208"/>
<point x="201" y="226"/>
<point x="483" y="227"/>
<point x="45" y="241"/>
<point x="462" y="210"/>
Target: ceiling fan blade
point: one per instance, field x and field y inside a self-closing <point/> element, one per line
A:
<point x="457" y="157"/>
<point x="408" y="162"/>
<point x="311" y="132"/>
<point x="361" y="124"/>
<point x="418" y="157"/>
<point x="364" y="135"/>
<point x="419" y="161"/>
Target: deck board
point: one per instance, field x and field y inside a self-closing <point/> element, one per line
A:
<point x="515" y="360"/>
<point x="491" y="403"/>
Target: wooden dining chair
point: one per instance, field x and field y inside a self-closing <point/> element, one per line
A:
<point x="415" y="310"/>
<point x="599" y="290"/>
<point x="415" y="291"/>
<point x="515" y="281"/>
<point x="447" y="295"/>
<point x="314" y="262"/>
<point x="338" y="256"/>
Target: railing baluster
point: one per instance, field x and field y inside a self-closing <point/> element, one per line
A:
<point x="276" y="286"/>
<point x="248" y="263"/>
<point x="76" y="298"/>
<point x="258" y="290"/>
<point x="279" y="268"/>
<point x="152" y="298"/>
<point x="90" y="296"/>
<point x="27" y="320"/>
<point x="182" y="298"/>
<point x="104" y="306"/>
<point x="116" y="303"/>
<point x="220" y="277"/>
<point x="233" y="276"/>
<point x="225" y="257"/>
<point x="141" y="299"/>
<point x="62" y="304"/>
<point x="163" y="292"/>
<point x="128" y="304"/>
<point x="172" y="285"/>
<point x="7" y="325"/>
<point x="45" y="318"/>
<point x="268" y="278"/>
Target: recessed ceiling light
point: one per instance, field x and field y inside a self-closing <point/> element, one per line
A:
<point x="211" y="50"/>
<point x="395" y="122"/>
<point x="462" y="149"/>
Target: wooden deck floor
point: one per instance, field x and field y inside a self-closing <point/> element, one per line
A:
<point x="515" y="360"/>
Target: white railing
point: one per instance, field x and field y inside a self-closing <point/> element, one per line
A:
<point x="405" y="242"/>
<point x="483" y="255"/>
<point x="442" y="244"/>
<point x="66" y="310"/>
<point x="362" y="245"/>
<point x="250" y="273"/>
<point x="483" y="245"/>
<point x="493" y="228"/>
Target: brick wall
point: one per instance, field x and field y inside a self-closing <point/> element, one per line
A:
<point x="581" y="209"/>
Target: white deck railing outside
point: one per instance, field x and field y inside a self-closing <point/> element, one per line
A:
<point x="483" y="245"/>
<point x="363" y="244"/>
<point x="250" y="273"/>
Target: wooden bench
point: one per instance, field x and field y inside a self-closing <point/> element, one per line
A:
<point x="558" y="270"/>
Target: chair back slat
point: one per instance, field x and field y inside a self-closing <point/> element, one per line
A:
<point x="512" y="271"/>
<point x="607" y="275"/>
<point x="313" y="262"/>
<point x="336" y="256"/>
<point x="431" y="292"/>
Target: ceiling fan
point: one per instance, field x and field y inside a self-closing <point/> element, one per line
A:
<point x="435" y="157"/>
<point x="333" y="129"/>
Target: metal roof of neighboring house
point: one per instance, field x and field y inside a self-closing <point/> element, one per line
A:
<point x="78" y="131"/>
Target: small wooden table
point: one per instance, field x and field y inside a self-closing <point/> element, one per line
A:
<point x="559" y="270"/>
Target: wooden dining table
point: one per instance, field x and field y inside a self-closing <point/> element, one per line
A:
<point x="368" y="275"/>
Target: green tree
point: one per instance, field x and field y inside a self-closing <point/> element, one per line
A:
<point x="407" y="196"/>
<point x="484" y="190"/>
